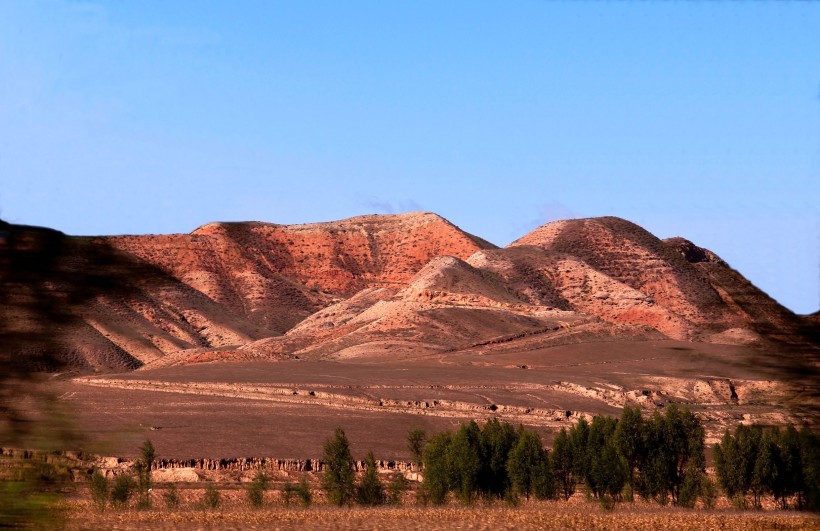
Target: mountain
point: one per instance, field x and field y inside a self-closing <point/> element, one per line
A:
<point x="409" y="285"/>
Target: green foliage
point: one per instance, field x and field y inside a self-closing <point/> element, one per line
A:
<point x="256" y="491"/>
<point x="562" y="464"/>
<point x="171" y="497"/>
<point x="122" y="490"/>
<point x="497" y="441"/>
<point x="464" y="456"/>
<point x="628" y="440"/>
<point x="673" y="457"/>
<point x="809" y="493"/>
<point x="338" y="479"/>
<point x="416" y="439"/>
<point x="396" y="489"/>
<point x="211" y="498"/>
<point x="143" y="470"/>
<point x="370" y="490"/>
<point x="303" y="492"/>
<point x="437" y="465"/>
<point x="100" y="488"/>
<point x="708" y="492"/>
<point x="528" y="466"/>
<point x="288" y="492"/>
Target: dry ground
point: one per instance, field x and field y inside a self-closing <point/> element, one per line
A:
<point x="541" y="515"/>
<point x="287" y="409"/>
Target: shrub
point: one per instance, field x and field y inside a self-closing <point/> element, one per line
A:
<point x="304" y="493"/>
<point x="370" y="490"/>
<point x="171" y="497"/>
<point x="396" y="489"/>
<point x="256" y="491"/>
<point x="211" y="498"/>
<point x="288" y="491"/>
<point x="122" y="490"/>
<point x="338" y="479"/>
<point x="100" y="487"/>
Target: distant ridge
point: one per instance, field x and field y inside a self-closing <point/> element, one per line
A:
<point x="408" y="284"/>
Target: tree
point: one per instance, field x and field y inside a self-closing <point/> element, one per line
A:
<point x="370" y="490"/>
<point x="416" y="439"/>
<point x="809" y="497"/>
<point x="767" y="467"/>
<point x="606" y="472"/>
<point x="436" y="455"/>
<point x="528" y="466"/>
<point x="143" y="469"/>
<point x="791" y="480"/>
<point x="464" y="456"/>
<point x="674" y="445"/>
<point x="338" y="479"/>
<point x="562" y="464"/>
<point x="256" y="491"/>
<point x="497" y="441"/>
<point x="629" y="443"/>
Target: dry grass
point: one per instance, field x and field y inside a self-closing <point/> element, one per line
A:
<point x="541" y="515"/>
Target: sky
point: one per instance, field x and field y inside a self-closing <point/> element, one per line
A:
<point x="699" y="120"/>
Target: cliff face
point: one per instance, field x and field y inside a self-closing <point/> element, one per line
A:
<point x="410" y="284"/>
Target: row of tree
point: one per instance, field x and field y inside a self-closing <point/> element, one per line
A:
<point x="661" y="458"/>
<point x="761" y="461"/>
<point x="339" y="479"/>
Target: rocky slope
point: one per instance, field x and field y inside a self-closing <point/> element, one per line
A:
<point x="400" y="285"/>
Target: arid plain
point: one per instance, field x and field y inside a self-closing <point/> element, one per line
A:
<point x="248" y="341"/>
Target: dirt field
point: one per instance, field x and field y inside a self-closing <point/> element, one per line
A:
<point x="541" y="515"/>
<point x="287" y="409"/>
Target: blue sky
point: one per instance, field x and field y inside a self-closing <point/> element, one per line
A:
<point x="693" y="119"/>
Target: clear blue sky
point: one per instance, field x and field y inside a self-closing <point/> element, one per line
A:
<point x="693" y="119"/>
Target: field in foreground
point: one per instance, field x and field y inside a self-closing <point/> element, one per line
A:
<point x="541" y="515"/>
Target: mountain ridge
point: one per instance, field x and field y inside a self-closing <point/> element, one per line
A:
<point x="409" y="284"/>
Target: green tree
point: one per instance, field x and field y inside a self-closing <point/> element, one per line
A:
<point x="809" y="496"/>
<point x="256" y="491"/>
<point x="497" y="441"/>
<point x="605" y="475"/>
<point x="338" y="479"/>
<point x="562" y="464"/>
<point x="370" y="490"/>
<point x="767" y="468"/>
<point x="629" y="443"/>
<point x="465" y="461"/>
<point x="143" y="469"/>
<point x="436" y="456"/>
<point x="416" y="439"/>
<point x="791" y="480"/>
<point x="674" y="445"/>
<point x="579" y="443"/>
<point x="528" y="464"/>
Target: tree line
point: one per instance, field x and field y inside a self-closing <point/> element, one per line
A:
<point x="659" y="458"/>
<point x="761" y="461"/>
